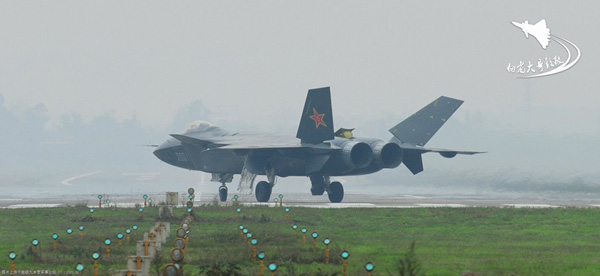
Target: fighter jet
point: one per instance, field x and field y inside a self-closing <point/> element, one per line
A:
<point x="317" y="151"/>
<point x="539" y="31"/>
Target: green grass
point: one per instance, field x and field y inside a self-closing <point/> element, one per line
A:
<point x="449" y="241"/>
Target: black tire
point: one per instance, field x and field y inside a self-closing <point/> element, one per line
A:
<point x="317" y="190"/>
<point x="263" y="191"/>
<point x="223" y="193"/>
<point x="336" y="192"/>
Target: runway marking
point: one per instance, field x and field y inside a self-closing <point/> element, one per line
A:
<point x="398" y="206"/>
<point x="531" y="205"/>
<point x="18" y="206"/>
<point x="67" y="181"/>
<point x="350" y="205"/>
<point x="414" y="196"/>
<point x="441" y="205"/>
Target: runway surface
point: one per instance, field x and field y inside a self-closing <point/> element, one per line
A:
<point x="306" y="200"/>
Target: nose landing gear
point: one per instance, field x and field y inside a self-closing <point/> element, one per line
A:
<point x="223" y="193"/>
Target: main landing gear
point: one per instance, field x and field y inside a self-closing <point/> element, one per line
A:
<point x="264" y="188"/>
<point x="320" y="184"/>
<point x="263" y="191"/>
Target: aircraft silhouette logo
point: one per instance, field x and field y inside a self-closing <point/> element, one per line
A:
<point x="548" y="65"/>
<point x="318" y="118"/>
<point x="539" y="31"/>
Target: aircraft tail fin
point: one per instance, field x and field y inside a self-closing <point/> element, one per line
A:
<point x="413" y="161"/>
<point x="421" y="126"/>
<point x="316" y="123"/>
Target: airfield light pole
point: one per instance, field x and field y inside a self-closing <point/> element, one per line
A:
<point x="239" y="211"/>
<point x="295" y="227"/>
<point x="345" y="256"/>
<point x="303" y="230"/>
<point x="35" y="243"/>
<point x="172" y="269"/>
<point x="107" y="202"/>
<point x="146" y="244"/>
<point x="280" y="200"/>
<point x="261" y="257"/>
<point x="150" y="202"/>
<point x="107" y="242"/>
<point x="95" y="256"/>
<point x="254" y="242"/>
<point x="326" y="241"/>
<point x="272" y="268"/>
<point x="92" y="212"/>
<point x="138" y="263"/>
<point x="79" y="268"/>
<point x="99" y="201"/>
<point x="145" y="200"/>
<point x="69" y="232"/>
<point x="241" y="231"/>
<point x="244" y="232"/>
<point x="276" y="201"/>
<point x="135" y="228"/>
<point x="128" y="232"/>
<point x="369" y="267"/>
<point x="314" y="236"/>
<point x="12" y="256"/>
<point x="81" y="227"/>
<point x="287" y="214"/>
<point x="177" y="255"/>
<point x="249" y="236"/>
<point x="120" y="237"/>
<point x="141" y="210"/>
<point x="54" y="243"/>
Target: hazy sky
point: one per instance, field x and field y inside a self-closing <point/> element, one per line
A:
<point x="250" y="64"/>
<point x="253" y="61"/>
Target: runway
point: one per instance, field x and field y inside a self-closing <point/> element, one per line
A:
<point x="306" y="200"/>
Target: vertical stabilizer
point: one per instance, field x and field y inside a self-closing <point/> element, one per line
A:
<point x="316" y="123"/>
<point x="421" y="126"/>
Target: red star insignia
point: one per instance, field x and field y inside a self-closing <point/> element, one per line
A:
<point x="318" y="118"/>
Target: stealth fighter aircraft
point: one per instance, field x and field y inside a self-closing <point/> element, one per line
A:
<point x="317" y="151"/>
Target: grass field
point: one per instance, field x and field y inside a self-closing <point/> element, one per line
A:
<point x="448" y="241"/>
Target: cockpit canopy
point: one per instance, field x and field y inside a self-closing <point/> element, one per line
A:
<point x="198" y="126"/>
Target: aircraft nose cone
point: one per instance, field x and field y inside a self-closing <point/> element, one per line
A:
<point x="161" y="154"/>
<point x="164" y="152"/>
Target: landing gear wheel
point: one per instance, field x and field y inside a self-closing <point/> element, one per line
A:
<point x="336" y="192"/>
<point x="263" y="191"/>
<point x="317" y="190"/>
<point x="223" y="193"/>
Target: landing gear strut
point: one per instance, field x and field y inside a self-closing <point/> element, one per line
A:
<point x="320" y="184"/>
